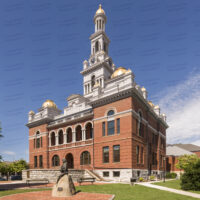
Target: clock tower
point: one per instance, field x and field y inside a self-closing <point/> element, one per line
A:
<point x="99" y="67"/>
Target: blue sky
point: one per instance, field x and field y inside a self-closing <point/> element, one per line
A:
<point x="44" y="42"/>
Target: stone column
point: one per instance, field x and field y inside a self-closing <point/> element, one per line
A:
<point x="49" y="140"/>
<point x="65" y="138"/>
<point x="83" y="135"/>
<point x="73" y="137"/>
<point x="56" y="139"/>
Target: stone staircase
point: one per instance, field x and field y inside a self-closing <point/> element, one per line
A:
<point x="91" y="174"/>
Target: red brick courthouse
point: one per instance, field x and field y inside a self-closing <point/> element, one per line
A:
<point x="111" y="130"/>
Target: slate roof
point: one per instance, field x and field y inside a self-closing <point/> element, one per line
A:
<point x="172" y="150"/>
<point x="189" y="147"/>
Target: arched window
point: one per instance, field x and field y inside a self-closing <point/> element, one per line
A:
<point x="85" y="158"/>
<point x="93" y="81"/>
<point x="111" y="123"/>
<point x="60" y="137"/>
<point x="78" y="133"/>
<point x="69" y="135"/>
<point x="140" y="125"/>
<point x="89" y="131"/>
<point x="96" y="46"/>
<point x="55" y="161"/>
<point x="38" y="139"/>
<point x="111" y="112"/>
<point x="53" y="139"/>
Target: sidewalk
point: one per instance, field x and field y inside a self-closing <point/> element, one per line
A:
<point x="170" y="190"/>
<point x="46" y="195"/>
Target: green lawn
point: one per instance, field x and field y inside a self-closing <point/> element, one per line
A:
<point x="175" y="184"/>
<point x="127" y="192"/>
<point x="9" y="192"/>
<point x="121" y="191"/>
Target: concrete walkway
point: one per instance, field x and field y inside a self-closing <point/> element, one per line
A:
<point x="170" y="190"/>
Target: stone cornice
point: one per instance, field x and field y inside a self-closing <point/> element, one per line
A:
<point x="96" y="66"/>
<point x="66" y="122"/>
<point x="99" y="33"/>
<point x="39" y="122"/>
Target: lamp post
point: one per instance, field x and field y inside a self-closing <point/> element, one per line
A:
<point x="164" y="158"/>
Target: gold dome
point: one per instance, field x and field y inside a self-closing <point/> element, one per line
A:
<point x="151" y="104"/>
<point x="31" y="112"/>
<point x="119" y="71"/>
<point x="49" y="104"/>
<point x="143" y="89"/>
<point x="100" y="10"/>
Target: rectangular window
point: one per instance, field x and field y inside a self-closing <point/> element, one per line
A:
<point x="116" y="153"/>
<point x="111" y="127"/>
<point x="116" y="174"/>
<point x="137" y="153"/>
<point x="35" y="161"/>
<point x="141" y="155"/>
<point x="103" y="128"/>
<point x="41" y="161"/>
<point x="38" y="143"/>
<point x="105" y="154"/>
<point x="118" y="126"/>
<point x="105" y="174"/>
<point x="34" y="144"/>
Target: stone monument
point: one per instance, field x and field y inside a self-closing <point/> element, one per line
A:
<point x="64" y="186"/>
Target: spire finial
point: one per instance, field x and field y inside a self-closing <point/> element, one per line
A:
<point x="100" y="10"/>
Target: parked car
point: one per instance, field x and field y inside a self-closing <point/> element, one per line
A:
<point x="15" y="177"/>
<point x="2" y="179"/>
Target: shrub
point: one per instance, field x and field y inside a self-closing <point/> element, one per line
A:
<point x="190" y="180"/>
<point x="152" y="178"/>
<point x="171" y="175"/>
<point x="141" y="179"/>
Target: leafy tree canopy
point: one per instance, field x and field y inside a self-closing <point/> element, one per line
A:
<point x="16" y="166"/>
<point x="186" y="160"/>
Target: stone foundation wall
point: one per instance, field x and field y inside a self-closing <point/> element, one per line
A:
<point x="50" y="174"/>
<point x="126" y="174"/>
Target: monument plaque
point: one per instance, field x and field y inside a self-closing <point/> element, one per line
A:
<point x="64" y="186"/>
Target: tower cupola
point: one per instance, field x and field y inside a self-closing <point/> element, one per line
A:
<point x="100" y="19"/>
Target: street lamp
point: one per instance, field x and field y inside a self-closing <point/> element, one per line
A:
<point x="164" y="158"/>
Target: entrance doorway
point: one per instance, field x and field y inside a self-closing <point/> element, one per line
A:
<point x="70" y="161"/>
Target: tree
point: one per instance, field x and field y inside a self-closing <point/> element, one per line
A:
<point x="5" y="169"/>
<point x="190" y="180"/>
<point x="186" y="160"/>
<point x="18" y="166"/>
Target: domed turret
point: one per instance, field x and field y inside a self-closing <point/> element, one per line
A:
<point x="100" y="10"/>
<point x="119" y="71"/>
<point x="49" y="104"/>
<point x="31" y="112"/>
<point x="100" y="19"/>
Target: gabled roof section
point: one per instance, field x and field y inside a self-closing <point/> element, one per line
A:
<point x="176" y="151"/>
<point x="189" y="147"/>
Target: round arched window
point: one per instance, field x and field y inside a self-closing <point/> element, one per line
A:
<point x="55" y="161"/>
<point x="111" y="112"/>
<point x="85" y="158"/>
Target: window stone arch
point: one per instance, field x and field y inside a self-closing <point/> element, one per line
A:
<point x="88" y="130"/>
<point x="53" y="138"/>
<point x="78" y="132"/>
<point x="69" y="134"/>
<point x="60" y="137"/>
<point x="55" y="161"/>
<point x="85" y="158"/>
